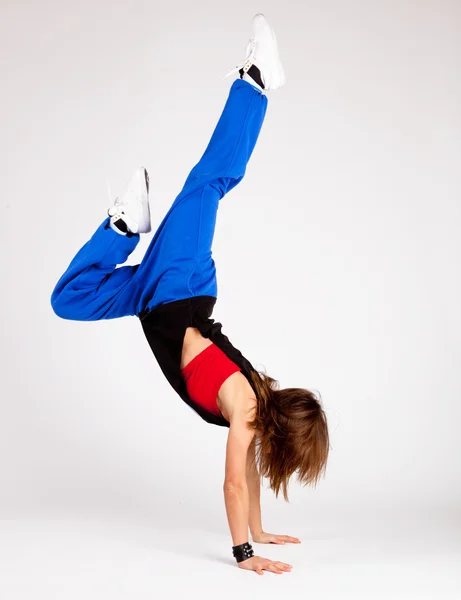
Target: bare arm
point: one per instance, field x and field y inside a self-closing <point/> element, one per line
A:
<point x="254" y="492"/>
<point x="236" y="494"/>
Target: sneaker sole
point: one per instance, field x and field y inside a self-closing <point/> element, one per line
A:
<point x="145" y="224"/>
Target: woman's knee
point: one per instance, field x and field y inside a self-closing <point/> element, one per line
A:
<point x="67" y="308"/>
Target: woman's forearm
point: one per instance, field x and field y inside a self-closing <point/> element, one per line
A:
<point x="254" y="491"/>
<point x="237" y="508"/>
<point x="254" y="517"/>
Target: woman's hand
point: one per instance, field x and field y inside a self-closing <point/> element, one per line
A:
<point x="260" y="564"/>
<point x="271" y="538"/>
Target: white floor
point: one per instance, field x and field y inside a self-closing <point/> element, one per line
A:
<point x="71" y="558"/>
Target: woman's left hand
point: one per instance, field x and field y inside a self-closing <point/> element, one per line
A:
<point x="271" y="538"/>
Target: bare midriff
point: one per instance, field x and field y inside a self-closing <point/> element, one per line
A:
<point x="193" y="344"/>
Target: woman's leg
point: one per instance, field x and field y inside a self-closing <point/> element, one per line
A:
<point x="92" y="288"/>
<point x="178" y="263"/>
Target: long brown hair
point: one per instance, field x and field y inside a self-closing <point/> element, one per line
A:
<point x="293" y="434"/>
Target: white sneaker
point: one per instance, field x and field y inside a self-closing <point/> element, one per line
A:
<point x="262" y="53"/>
<point x="131" y="212"/>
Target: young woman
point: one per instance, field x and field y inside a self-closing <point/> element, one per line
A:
<point x="272" y="432"/>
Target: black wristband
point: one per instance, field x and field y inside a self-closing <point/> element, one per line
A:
<point x="242" y="552"/>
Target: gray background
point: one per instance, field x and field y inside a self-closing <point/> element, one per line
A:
<point x="338" y="266"/>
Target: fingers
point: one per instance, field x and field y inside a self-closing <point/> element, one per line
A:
<point x="278" y="567"/>
<point x="282" y="539"/>
<point x="284" y="566"/>
<point x="272" y="567"/>
<point x="259" y="564"/>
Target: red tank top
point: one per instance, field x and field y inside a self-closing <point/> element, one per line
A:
<point x="205" y="374"/>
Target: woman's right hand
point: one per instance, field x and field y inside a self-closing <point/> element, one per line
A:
<point x="260" y="564"/>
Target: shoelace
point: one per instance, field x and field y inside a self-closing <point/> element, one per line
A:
<point x="250" y="54"/>
<point x="113" y="201"/>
